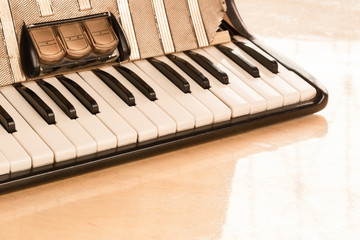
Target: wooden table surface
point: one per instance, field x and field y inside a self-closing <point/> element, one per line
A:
<point x="295" y="180"/>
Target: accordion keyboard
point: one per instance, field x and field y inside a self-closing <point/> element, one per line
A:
<point x="68" y="118"/>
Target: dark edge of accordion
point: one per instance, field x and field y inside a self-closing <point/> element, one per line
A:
<point x="131" y="153"/>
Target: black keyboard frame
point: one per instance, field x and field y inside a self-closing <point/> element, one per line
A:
<point x="139" y="151"/>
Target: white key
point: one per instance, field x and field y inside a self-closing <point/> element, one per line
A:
<point x="151" y="110"/>
<point x="272" y="97"/>
<point x="290" y="94"/>
<point x="145" y="129"/>
<point x="124" y="133"/>
<point x="184" y="120"/>
<point x="82" y="141"/>
<point x="40" y="153"/>
<point x="18" y="158"/>
<point x="257" y="102"/>
<point x="103" y="137"/>
<point x="202" y="115"/>
<point x="62" y="148"/>
<point x="4" y="165"/>
<point x="239" y="106"/>
<point x="307" y="92"/>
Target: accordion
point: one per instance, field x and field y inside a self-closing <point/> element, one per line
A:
<point x="85" y="83"/>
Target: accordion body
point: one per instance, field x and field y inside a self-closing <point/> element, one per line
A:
<point x="86" y="83"/>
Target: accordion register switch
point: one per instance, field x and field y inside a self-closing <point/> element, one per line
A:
<point x="102" y="36"/>
<point x="72" y="43"/>
<point x="76" y="43"/>
<point x="48" y="45"/>
<point x="76" y="40"/>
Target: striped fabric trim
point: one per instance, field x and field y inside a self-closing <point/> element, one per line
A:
<point x="198" y="23"/>
<point x="45" y="7"/>
<point x="127" y="24"/>
<point x="163" y="26"/>
<point x="10" y="40"/>
<point x="84" y="5"/>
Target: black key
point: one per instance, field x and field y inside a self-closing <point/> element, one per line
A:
<point x="116" y="86"/>
<point x="89" y="103"/>
<point x="266" y="60"/>
<point x="135" y="80"/>
<point x="190" y="70"/>
<point x="209" y="66"/>
<point x="58" y="98"/>
<point x="171" y="74"/>
<point x="37" y="103"/>
<point x="7" y="121"/>
<point x="240" y="60"/>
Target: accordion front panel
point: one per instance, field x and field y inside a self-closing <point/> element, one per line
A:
<point x="180" y="13"/>
<point x="142" y="20"/>
<point x="6" y="75"/>
<point x="147" y="36"/>
<point x="211" y="16"/>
